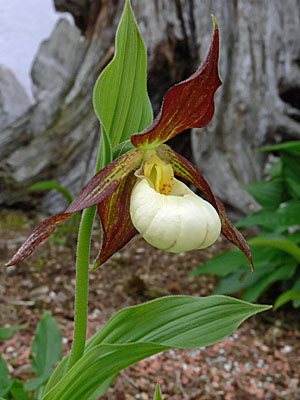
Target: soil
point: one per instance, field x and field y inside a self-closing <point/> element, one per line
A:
<point x="260" y="360"/>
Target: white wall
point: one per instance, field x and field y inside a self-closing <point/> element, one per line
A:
<point x="23" y="25"/>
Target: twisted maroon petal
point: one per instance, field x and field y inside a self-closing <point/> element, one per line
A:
<point x="189" y="104"/>
<point x="99" y="188"/>
<point x="115" y="218"/>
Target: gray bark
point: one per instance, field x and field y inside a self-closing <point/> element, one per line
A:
<point x="258" y="102"/>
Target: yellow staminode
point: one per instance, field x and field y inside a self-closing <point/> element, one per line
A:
<point x="160" y="174"/>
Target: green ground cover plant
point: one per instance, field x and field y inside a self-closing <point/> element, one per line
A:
<point x="46" y="351"/>
<point x="275" y="251"/>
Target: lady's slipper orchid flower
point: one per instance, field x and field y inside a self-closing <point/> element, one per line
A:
<point x="177" y="221"/>
<point x="138" y="191"/>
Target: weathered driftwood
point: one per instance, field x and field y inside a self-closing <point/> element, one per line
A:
<point x="258" y="102"/>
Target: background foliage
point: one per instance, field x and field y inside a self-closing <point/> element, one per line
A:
<point x="276" y="251"/>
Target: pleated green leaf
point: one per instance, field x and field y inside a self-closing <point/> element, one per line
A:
<point x="277" y="242"/>
<point x="275" y="220"/>
<point x="233" y="260"/>
<point x="6" y="333"/>
<point x="52" y="185"/>
<point x="5" y="381"/>
<point x="269" y="194"/>
<point x="122" y="148"/>
<point x="243" y="278"/>
<point x="291" y="147"/>
<point x="294" y="187"/>
<point x="46" y="351"/>
<point x="18" y="392"/>
<point x="120" y="99"/>
<point x="96" y="366"/>
<point x="284" y="272"/>
<point x="291" y="172"/>
<point x="177" y="321"/>
<point x="137" y="332"/>
<point x="157" y="395"/>
<point x="289" y="295"/>
<point x="255" y="283"/>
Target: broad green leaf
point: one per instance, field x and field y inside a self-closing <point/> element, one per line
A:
<point x="285" y="297"/>
<point x="264" y="218"/>
<point x="50" y="185"/>
<point x="58" y="373"/>
<point x="296" y="303"/>
<point x="40" y="390"/>
<point x="46" y="350"/>
<point x="18" y="392"/>
<point x="288" y="214"/>
<point x="5" y="382"/>
<point x="275" y="170"/>
<point x="6" y="333"/>
<point x="120" y="99"/>
<point x="157" y="394"/>
<point x="268" y="193"/>
<point x="291" y="172"/>
<point x="96" y="366"/>
<point x="279" y="220"/>
<point x="282" y="273"/>
<point x="101" y="390"/>
<point x="175" y="321"/>
<point x="296" y="286"/>
<point x="38" y="382"/>
<point x="277" y="242"/>
<point x="294" y="237"/>
<point x="122" y="148"/>
<point x="291" y="147"/>
<point x="241" y="279"/>
<point x="222" y="264"/>
<point x="105" y="154"/>
<point x="179" y="321"/>
<point x="294" y="187"/>
<point x="62" y="368"/>
<point x="230" y="261"/>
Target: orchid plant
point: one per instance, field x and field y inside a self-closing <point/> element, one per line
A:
<point x="135" y="190"/>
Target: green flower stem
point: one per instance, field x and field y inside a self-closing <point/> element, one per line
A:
<point x="82" y="284"/>
<point x="82" y="267"/>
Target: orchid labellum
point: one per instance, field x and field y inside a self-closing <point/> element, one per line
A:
<point x="168" y="214"/>
<point x="138" y="191"/>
